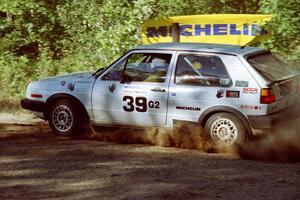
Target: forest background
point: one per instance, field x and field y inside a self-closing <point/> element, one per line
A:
<point x="41" y="38"/>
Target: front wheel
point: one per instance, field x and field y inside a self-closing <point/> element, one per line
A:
<point x="64" y="118"/>
<point x="225" y="129"/>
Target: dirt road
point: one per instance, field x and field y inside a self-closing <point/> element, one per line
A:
<point x="36" y="165"/>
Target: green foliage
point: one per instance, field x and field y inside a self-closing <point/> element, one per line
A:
<point x="41" y="38"/>
<point x="284" y="28"/>
<point x="196" y="7"/>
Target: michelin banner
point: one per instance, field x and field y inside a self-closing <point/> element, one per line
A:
<point x="235" y="29"/>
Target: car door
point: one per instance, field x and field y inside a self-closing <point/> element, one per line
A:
<point x="134" y="90"/>
<point x="200" y="81"/>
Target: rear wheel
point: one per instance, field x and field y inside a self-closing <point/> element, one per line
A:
<point x="64" y="118"/>
<point x="225" y="129"/>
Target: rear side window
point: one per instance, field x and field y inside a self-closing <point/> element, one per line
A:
<point x="270" y="67"/>
<point x="204" y="70"/>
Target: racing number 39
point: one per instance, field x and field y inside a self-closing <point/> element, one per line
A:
<point x="140" y="104"/>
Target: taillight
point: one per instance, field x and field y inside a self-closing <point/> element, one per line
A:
<point x="267" y="96"/>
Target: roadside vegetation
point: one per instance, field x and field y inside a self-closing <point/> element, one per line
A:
<point x="41" y="38"/>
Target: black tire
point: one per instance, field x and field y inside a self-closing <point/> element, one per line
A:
<point x="64" y="118"/>
<point x="226" y="129"/>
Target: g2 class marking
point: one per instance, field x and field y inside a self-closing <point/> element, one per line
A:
<point x="140" y="104"/>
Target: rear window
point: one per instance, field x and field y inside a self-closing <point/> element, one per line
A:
<point x="270" y="67"/>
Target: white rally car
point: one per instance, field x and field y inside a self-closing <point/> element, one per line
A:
<point x="230" y="91"/>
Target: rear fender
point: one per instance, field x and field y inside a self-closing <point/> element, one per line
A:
<point x="217" y="109"/>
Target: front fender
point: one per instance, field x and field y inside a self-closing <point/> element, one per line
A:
<point x="72" y="98"/>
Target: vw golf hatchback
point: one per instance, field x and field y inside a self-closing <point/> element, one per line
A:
<point x="232" y="92"/>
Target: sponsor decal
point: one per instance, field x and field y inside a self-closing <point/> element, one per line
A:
<point x="222" y="29"/>
<point x="188" y="108"/>
<point x="232" y="94"/>
<point x="158" y="89"/>
<point x="250" y="90"/>
<point x="241" y="83"/>
<point x="197" y="65"/>
<point x="220" y="93"/>
<point x="134" y="89"/>
<point x="198" y="30"/>
<point x="71" y="86"/>
<point x="250" y="107"/>
<point x="112" y="87"/>
<point x="225" y="81"/>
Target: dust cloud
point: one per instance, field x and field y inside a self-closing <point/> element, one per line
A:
<point x="281" y="144"/>
<point x="187" y="136"/>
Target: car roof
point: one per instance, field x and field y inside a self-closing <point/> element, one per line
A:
<point x="201" y="47"/>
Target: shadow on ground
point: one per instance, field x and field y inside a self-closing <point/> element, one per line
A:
<point x="41" y="166"/>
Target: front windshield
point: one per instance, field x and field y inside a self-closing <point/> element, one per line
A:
<point x="270" y="67"/>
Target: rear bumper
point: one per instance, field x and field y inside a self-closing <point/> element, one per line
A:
<point x="32" y="105"/>
<point x="272" y="120"/>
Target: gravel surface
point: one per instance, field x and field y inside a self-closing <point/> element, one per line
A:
<point x="19" y="119"/>
<point x="34" y="164"/>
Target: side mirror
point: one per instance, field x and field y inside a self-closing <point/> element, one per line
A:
<point x="125" y="79"/>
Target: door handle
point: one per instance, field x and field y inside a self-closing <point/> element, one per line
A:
<point x="157" y="89"/>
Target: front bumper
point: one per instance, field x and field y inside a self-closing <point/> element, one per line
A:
<point x="274" y="119"/>
<point x="32" y="105"/>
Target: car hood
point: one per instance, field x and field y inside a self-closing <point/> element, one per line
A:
<point x="81" y="81"/>
<point x="73" y="76"/>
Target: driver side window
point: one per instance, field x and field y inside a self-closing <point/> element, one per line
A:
<point x="148" y="67"/>
<point x="141" y="67"/>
